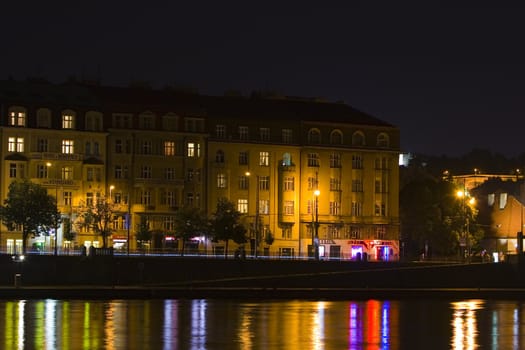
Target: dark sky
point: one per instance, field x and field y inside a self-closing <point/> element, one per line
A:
<point x="452" y="78"/>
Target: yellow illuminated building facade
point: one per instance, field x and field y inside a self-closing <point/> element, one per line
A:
<point x="303" y="173"/>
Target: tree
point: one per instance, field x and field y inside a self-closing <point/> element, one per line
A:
<point x="29" y="206"/>
<point x="144" y="234"/>
<point x="225" y="224"/>
<point x="189" y="223"/>
<point x="98" y="217"/>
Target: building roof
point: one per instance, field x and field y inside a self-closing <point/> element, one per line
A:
<point x="170" y="100"/>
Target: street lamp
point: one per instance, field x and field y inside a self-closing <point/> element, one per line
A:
<point x="463" y="194"/>
<point x="111" y="188"/>
<point x="316" y="225"/>
<point x="55" y="251"/>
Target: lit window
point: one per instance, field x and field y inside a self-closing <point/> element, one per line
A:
<point x="242" y="206"/>
<point x="67" y="173"/>
<point x="169" y="148"/>
<point x="288" y="207"/>
<point x="264" y="158"/>
<point x="68" y="121"/>
<point x="193" y="149"/>
<point x="221" y="181"/>
<point x="264" y="206"/>
<point x="17" y="118"/>
<point x="68" y="198"/>
<point x="68" y="146"/>
<point x="15" y="144"/>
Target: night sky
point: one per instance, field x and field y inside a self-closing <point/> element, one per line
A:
<point x="451" y="78"/>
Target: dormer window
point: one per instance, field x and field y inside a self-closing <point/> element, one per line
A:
<point x="68" y="120"/>
<point x="17" y="116"/>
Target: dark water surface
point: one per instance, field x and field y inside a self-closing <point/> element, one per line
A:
<point x="261" y="324"/>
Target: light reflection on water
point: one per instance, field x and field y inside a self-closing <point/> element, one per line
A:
<point x="248" y="324"/>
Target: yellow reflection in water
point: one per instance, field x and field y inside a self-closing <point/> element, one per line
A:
<point x="464" y="324"/>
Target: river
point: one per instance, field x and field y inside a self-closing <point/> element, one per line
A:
<point x="261" y="324"/>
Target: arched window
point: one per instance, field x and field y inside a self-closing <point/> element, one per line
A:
<point x="93" y="121"/>
<point x="17" y="116"/>
<point x="43" y="118"/>
<point x="336" y="137"/>
<point x="382" y="140"/>
<point x="314" y="136"/>
<point x="219" y="156"/>
<point x="68" y="119"/>
<point x="358" y="139"/>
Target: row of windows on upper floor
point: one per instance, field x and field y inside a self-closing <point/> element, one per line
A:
<point x="67" y="146"/>
<point x="93" y="120"/>
<point x="334" y="207"/>
<point x="313" y="159"/>
<point x="95" y="173"/>
<point x="335" y="137"/>
<point x="288" y="183"/>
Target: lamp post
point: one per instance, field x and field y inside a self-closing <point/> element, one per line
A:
<point x="463" y="194"/>
<point x="55" y="251"/>
<point x="316" y="225"/>
<point x="111" y="188"/>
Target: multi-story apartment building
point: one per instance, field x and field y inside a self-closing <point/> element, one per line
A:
<point x="304" y="173"/>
